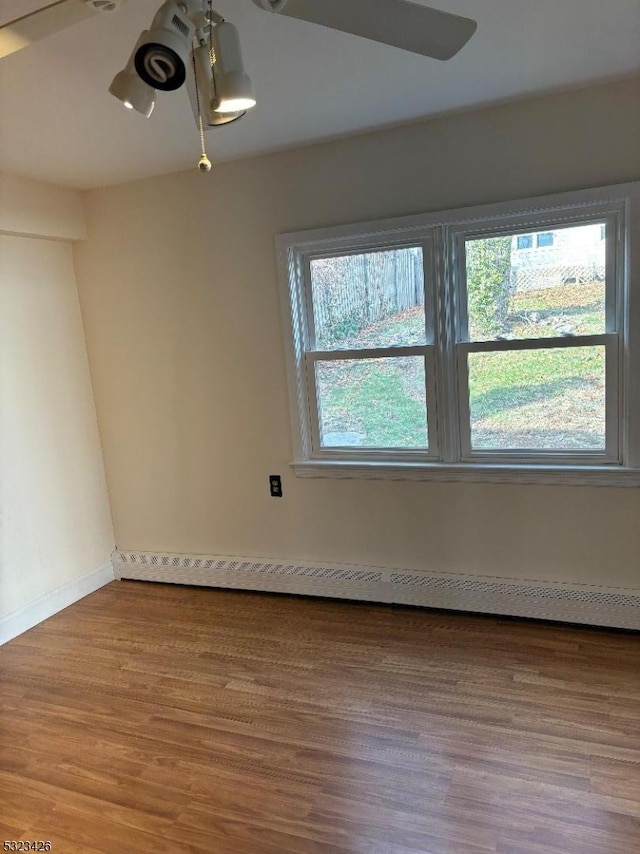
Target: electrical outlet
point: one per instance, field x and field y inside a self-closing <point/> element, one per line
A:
<point x="275" y="484"/>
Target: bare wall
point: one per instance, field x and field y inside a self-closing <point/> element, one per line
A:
<point x="55" y="524"/>
<point x="180" y="300"/>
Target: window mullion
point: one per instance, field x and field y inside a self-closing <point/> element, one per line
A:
<point x="445" y="279"/>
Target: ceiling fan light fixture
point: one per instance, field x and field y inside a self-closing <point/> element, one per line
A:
<point x="233" y="87"/>
<point x="162" y="56"/>
<point x="134" y="93"/>
<point x="127" y="86"/>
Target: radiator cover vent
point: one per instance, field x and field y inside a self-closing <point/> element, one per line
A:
<point x="260" y="568"/>
<point x="492" y="588"/>
<point x="576" y="603"/>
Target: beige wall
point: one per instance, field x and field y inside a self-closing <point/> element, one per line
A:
<point x="40" y="210"/>
<point x="180" y="299"/>
<point x="55" y="524"/>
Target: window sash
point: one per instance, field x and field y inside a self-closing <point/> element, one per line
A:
<point x="611" y="453"/>
<point x="423" y="241"/>
<point x="458" y="235"/>
<point x="428" y="354"/>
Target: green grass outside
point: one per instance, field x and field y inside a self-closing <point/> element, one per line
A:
<point x="382" y="400"/>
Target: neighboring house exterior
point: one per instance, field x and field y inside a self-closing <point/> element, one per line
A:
<point x="545" y="259"/>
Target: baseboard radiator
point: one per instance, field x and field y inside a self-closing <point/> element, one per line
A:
<point x="573" y="603"/>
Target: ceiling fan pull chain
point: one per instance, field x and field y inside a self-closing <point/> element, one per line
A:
<point x="204" y="164"/>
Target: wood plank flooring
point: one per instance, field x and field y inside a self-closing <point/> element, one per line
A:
<point x="155" y="719"/>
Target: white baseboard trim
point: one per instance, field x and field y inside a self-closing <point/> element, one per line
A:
<point x="46" y="606"/>
<point x="572" y="603"/>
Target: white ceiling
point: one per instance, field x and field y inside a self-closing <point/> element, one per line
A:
<point x="58" y="123"/>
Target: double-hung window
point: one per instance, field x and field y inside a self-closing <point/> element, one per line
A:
<point x="370" y="363"/>
<point x="442" y="346"/>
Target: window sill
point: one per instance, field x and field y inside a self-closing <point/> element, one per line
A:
<point x="574" y="475"/>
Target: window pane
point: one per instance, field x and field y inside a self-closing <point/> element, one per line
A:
<point x="538" y="399"/>
<point x="546" y="238"/>
<point x="371" y="300"/>
<point x="372" y="403"/>
<point x="555" y="286"/>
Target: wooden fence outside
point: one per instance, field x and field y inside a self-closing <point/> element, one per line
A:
<point x="352" y="292"/>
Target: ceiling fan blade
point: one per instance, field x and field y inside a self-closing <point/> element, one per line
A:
<point x="411" y="27"/>
<point x="45" y="22"/>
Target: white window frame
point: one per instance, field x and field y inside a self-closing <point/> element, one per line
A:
<point x="441" y="237"/>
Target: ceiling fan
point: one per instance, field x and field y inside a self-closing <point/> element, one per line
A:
<point x="188" y="42"/>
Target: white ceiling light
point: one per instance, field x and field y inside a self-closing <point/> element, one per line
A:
<point x="133" y="92"/>
<point x="162" y="56"/>
<point x="233" y="87"/>
<point x="129" y="88"/>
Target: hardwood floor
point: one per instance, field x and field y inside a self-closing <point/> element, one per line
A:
<point x="159" y="719"/>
